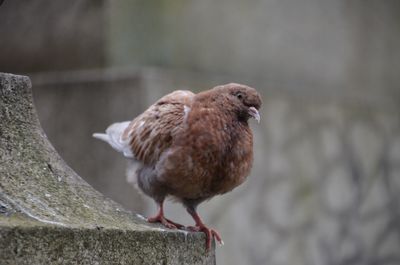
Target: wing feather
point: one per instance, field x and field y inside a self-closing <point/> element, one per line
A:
<point x="152" y="132"/>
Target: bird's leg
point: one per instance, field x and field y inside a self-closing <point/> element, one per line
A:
<point x="160" y="218"/>
<point x="177" y="225"/>
<point x="201" y="227"/>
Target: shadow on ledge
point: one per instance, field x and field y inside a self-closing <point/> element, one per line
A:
<point x="48" y="214"/>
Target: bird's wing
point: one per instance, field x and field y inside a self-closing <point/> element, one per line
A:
<point x="152" y="132"/>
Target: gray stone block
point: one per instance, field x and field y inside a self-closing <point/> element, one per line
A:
<point x="49" y="215"/>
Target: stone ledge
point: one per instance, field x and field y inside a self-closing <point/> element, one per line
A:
<point x="38" y="244"/>
<point x="48" y="214"/>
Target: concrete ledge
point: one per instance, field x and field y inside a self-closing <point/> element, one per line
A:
<point x="48" y="214"/>
<point x="53" y="244"/>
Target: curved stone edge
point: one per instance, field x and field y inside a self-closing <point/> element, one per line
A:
<point x="42" y="199"/>
<point x="35" y="180"/>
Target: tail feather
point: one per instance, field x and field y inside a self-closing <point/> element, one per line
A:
<point x="102" y="136"/>
<point x="113" y="137"/>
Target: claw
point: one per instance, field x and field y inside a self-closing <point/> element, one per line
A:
<point x="210" y="233"/>
<point x="177" y="225"/>
<point x="201" y="227"/>
<point x="160" y="218"/>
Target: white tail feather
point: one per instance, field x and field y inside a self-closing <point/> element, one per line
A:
<point x="113" y="137"/>
<point x="101" y="136"/>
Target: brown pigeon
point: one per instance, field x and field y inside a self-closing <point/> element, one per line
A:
<point x="190" y="147"/>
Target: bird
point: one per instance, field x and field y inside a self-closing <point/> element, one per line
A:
<point x="190" y="147"/>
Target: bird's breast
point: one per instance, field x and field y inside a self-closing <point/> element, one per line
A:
<point x="211" y="157"/>
<point x="236" y="165"/>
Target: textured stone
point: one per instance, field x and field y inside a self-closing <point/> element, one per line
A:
<point x="338" y="191"/>
<point x="48" y="214"/>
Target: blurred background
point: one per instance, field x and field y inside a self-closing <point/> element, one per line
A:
<point x="325" y="187"/>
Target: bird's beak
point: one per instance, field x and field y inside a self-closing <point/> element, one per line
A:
<point x="253" y="112"/>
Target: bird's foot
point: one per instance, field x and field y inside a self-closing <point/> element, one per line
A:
<point x="177" y="225"/>
<point x="210" y="233"/>
<point x="166" y="222"/>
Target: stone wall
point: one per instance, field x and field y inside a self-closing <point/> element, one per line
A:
<point x="324" y="189"/>
<point x="327" y="45"/>
<point x="51" y="35"/>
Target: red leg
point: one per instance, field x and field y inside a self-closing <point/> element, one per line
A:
<point x="201" y="227"/>
<point x="160" y="218"/>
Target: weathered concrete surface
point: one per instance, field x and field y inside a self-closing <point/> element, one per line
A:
<point x="48" y="214"/>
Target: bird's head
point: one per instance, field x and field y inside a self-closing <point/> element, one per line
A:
<point x="245" y="101"/>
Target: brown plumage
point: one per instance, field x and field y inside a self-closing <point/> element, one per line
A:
<point x="190" y="146"/>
